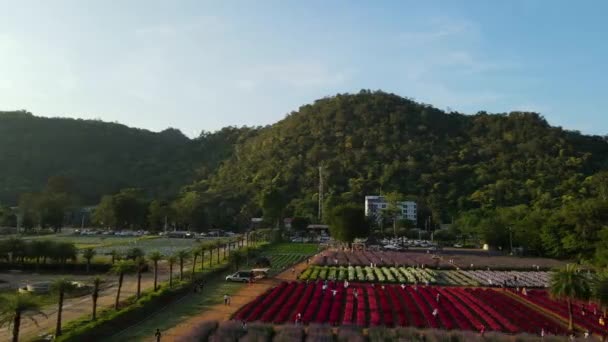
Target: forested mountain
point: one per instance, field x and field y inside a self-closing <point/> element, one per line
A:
<point x="458" y="167"/>
<point x="373" y="143"/>
<point x="493" y="175"/>
<point x="99" y="158"/>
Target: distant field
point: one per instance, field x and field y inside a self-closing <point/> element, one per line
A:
<point x="105" y="244"/>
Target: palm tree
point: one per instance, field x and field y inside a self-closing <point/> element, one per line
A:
<point x="61" y="287"/>
<point x="203" y="248"/>
<point x="115" y="255"/>
<point x="195" y="254"/>
<point x="599" y="290"/>
<point x="140" y="264"/>
<point x="172" y="259"/>
<point x="121" y="268"/>
<point x="182" y="255"/>
<point x="570" y="283"/>
<point x="97" y="281"/>
<point x="218" y="246"/>
<point x="15" y="307"/>
<point x="236" y="258"/>
<point x="88" y="254"/>
<point x="155" y="257"/>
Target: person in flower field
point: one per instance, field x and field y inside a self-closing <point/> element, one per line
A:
<point x="482" y="330"/>
<point x="355" y="293"/>
<point x="435" y="312"/>
<point x="438" y="296"/>
<point x="298" y="318"/>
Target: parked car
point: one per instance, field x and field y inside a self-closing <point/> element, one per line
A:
<point x="458" y="245"/>
<point x="240" y="277"/>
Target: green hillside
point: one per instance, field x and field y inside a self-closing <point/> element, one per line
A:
<point x="100" y="158"/>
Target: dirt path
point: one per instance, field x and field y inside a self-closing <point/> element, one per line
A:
<point x="223" y="312"/>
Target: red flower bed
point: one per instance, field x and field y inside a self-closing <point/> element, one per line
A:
<point x="394" y="305"/>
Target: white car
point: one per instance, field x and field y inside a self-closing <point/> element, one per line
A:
<point x="392" y="247"/>
<point x="240" y="277"/>
<point x="458" y="245"/>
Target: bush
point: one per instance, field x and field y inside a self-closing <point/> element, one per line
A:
<point x="350" y="334"/>
<point x="258" y="333"/>
<point x="381" y="334"/>
<point x="229" y="331"/>
<point x="319" y="333"/>
<point x="200" y="332"/>
<point x="289" y="333"/>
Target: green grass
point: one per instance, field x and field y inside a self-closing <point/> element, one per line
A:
<point x="293" y="248"/>
<point x="177" y="312"/>
<point x="281" y="255"/>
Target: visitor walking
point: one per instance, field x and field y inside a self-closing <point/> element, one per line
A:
<point x="438" y="295"/>
<point x="435" y="312"/>
<point x="225" y="299"/>
<point x="157" y="334"/>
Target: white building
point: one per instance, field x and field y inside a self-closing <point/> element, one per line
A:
<point x="374" y="205"/>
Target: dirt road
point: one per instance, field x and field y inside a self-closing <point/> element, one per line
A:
<point x="223" y="312"/>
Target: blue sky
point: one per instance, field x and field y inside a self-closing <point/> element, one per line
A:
<point x="198" y="65"/>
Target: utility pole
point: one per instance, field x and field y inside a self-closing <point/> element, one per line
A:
<point x="511" y="239"/>
<point x="320" y="217"/>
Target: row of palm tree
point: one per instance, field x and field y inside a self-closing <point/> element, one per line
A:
<point x="14" y="308"/>
<point x="17" y="250"/>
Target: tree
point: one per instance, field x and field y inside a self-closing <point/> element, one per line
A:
<point x="88" y="254"/>
<point x="236" y="258"/>
<point x="115" y="255"/>
<point x="61" y="287"/>
<point x="130" y="208"/>
<point x="140" y="264"/>
<point x="172" y="259"/>
<point x="120" y="269"/>
<point x="569" y="283"/>
<point x="195" y="253"/>
<point x="347" y="222"/>
<point x="299" y="224"/>
<point x="189" y="210"/>
<point x="14" y="308"/>
<point x="272" y="203"/>
<point x="104" y="214"/>
<point x="135" y="253"/>
<point x="599" y="290"/>
<point x="203" y="249"/>
<point x="97" y="281"/>
<point x="158" y="212"/>
<point x="218" y="247"/>
<point x="155" y="257"/>
<point x="182" y="255"/>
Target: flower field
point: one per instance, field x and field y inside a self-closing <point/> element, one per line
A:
<point x="418" y="258"/>
<point x="411" y="275"/>
<point x="368" y="305"/>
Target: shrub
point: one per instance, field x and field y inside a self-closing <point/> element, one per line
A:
<point x="200" y="332"/>
<point x="258" y="333"/>
<point x="350" y="334"/>
<point x="381" y="334"/>
<point x="289" y="333"/>
<point x="319" y="333"/>
<point x="228" y="331"/>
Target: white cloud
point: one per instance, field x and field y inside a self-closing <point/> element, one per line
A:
<point x="298" y="74"/>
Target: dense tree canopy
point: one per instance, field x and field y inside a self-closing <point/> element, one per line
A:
<point x="101" y="158"/>
<point x="498" y="177"/>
